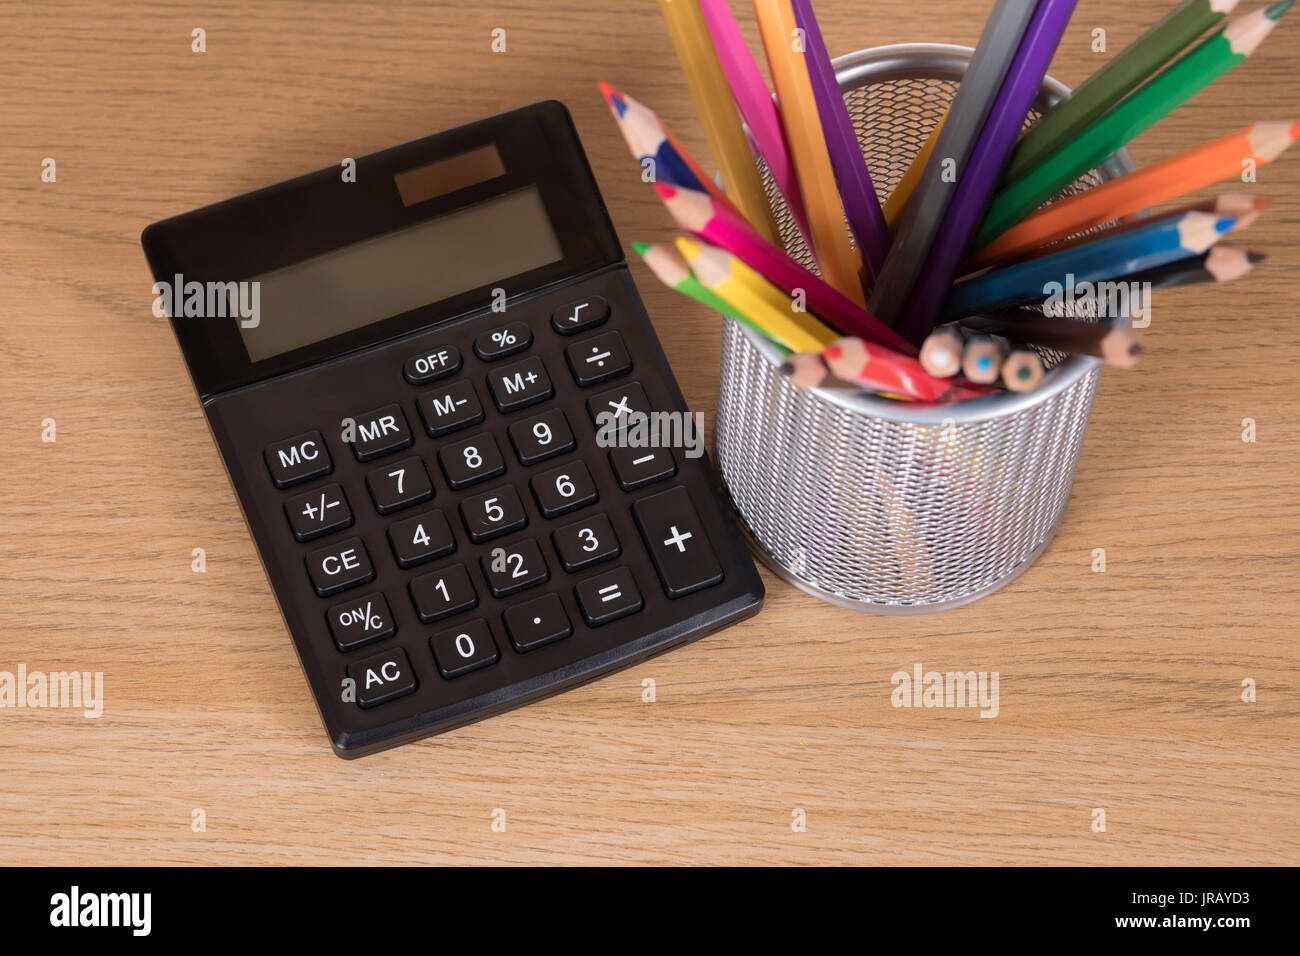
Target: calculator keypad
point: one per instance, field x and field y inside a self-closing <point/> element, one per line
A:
<point x="498" y="529"/>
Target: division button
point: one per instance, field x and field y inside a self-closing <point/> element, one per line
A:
<point x="597" y="359"/>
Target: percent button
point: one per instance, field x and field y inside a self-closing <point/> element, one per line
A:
<point x="507" y="340"/>
<point x="361" y="621"/>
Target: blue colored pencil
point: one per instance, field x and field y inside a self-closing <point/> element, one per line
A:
<point x="1111" y="257"/>
<point x="992" y="149"/>
<point x="857" y="191"/>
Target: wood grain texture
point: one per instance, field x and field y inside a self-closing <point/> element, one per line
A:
<point x="1118" y="690"/>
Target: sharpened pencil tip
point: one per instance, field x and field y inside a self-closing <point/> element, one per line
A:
<point x="1276" y="10"/>
<point x="787" y="369"/>
<point x="1255" y="258"/>
<point x="832" y="352"/>
<point x="1224" y="223"/>
<point x="641" y="247"/>
<point x="665" y="190"/>
<point x="1135" y="349"/>
<point x="614" y="98"/>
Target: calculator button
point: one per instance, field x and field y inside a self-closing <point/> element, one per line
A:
<point x="399" y="485"/>
<point x="637" y="467"/>
<point x="431" y="365"/>
<point x="563" y="489"/>
<point x="594" y="360"/>
<point x="586" y="542"/>
<point x="339" y="566"/>
<point x="537" y="623"/>
<point x="360" y="621"/>
<point x="520" y="385"/>
<point x="472" y="460"/>
<point x="493" y="513"/>
<point x="677" y="543"/>
<point x="450" y="408"/>
<point x="442" y="593"/>
<point x="298" y="459"/>
<point x="459" y="650"/>
<point x="380" y="432"/>
<point x="514" y="568"/>
<point x="422" y="538"/>
<point x="543" y="437"/>
<point x="579" y="316"/>
<point x="507" y="340"/>
<point x="609" y="596"/>
<point x="314" y="513"/>
<point x="382" y="678"/>
<point x="621" y="402"/>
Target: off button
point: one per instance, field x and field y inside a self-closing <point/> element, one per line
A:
<point x="429" y="366"/>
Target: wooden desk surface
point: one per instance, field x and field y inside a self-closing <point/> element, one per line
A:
<point x="1118" y="690"/>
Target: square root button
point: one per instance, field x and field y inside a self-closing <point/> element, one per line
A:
<point x="676" y="541"/>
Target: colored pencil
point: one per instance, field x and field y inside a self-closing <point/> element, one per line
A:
<point x="1186" y="172"/>
<point x="670" y="266"/>
<point x="1117" y="344"/>
<point x="994" y="144"/>
<point x="1022" y="370"/>
<point x="1092" y="144"/>
<point x="765" y="305"/>
<point x="981" y="359"/>
<point x="754" y="101"/>
<point x="840" y="263"/>
<point x="857" y="191"/>
<point x="806" y="370"/>
<point x="970" y="107"/>
<point x="883" y="370"/>
<point x="1243" y="208"/>
<point x="941" y="351"/>
<point x="717" y="111"/>
<point x="897" y="202"/>
<point x="1132" y="67"/>
<point x="1219" y="264"/>
<point x="1102" y="259"/>
<point x="697" y="213"/>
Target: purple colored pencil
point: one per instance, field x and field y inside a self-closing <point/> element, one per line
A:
<point x="857" y="191"/>
<point x="992" y="149"/>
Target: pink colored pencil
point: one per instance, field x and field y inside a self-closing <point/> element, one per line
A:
<point x="697" y="212"/>
<point x="755" y="102"/>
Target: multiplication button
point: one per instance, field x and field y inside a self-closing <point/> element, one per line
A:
<point x="314" y="513"/>
<point x="676" y="541"/>
<point x="608" y="597"/>
<point x="616" y="405"/>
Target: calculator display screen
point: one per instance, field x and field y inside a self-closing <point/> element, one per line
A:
<point x="399" y="271"/>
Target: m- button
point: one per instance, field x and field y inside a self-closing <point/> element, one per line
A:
<point x="675" y="539"/>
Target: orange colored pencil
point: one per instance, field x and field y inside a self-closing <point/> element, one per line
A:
<point x="1190" y="170"/>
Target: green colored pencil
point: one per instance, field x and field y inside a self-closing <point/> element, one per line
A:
<point x="671" y="268"/>
<point x="1188" y="76"/>
<point x="1137" y="63"/>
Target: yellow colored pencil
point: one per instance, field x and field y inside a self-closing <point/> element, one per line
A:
<point x="766" y="306"/>
<point x="718" y="112"/>
<point x="896" y="204"/>
<point x="840" y="262"/>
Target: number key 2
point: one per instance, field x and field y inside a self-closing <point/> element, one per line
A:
<point x="514" y="567"/>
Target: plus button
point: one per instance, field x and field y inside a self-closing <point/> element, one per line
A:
<point x="678" y="539"/>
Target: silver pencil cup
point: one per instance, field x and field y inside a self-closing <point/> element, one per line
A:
<point x="879" y="505"/>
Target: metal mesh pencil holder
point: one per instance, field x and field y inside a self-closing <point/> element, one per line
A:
<point x="880" y="505"/>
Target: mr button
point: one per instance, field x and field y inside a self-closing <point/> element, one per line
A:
<point x="675" y="538"/>
<point x="383" y="677"/>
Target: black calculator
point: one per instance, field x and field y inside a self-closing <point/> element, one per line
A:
<point x="437" y="394"/>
